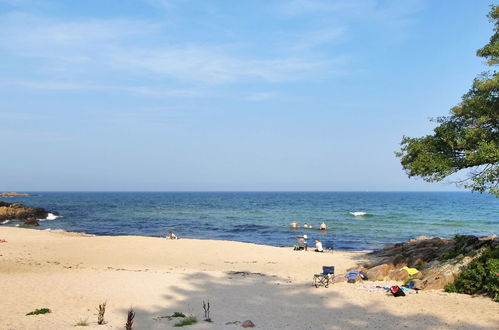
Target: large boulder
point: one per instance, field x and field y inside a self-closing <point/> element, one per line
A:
<point x="378" y="273"/>
<point x="20" y="212"/>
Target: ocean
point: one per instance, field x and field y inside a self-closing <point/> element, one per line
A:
<point x="264" y="217"/>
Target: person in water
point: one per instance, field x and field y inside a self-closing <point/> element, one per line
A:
<point x="171" y="235"/>
<point x="323" y="227"/>
<point x="307" y="226"/>
<point x="294" y="224"/>
<point x="318" y="246"/>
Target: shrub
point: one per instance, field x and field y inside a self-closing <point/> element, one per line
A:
<point x="190" y="320"/>
<point x="480" y="276"/>
<point x="40" y="311"/>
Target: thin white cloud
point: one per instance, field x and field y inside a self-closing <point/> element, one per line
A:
<point x="58" y="86"/>
<point x="123" y="47"/>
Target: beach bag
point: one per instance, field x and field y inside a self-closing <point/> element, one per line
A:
<point x="397" y="291"/>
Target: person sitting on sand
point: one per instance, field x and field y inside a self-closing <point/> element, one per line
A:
<point x="323" y="227"/>
<point x="318" y="246"/>
<point x="294" y="224"/>
<point x="171" y="235"/>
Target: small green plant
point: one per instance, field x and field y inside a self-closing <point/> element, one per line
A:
<point x="178" y="314"/>
<point x="40" y="311"/>
<point x="189" y="320"/>
<point x="82" y="323"/>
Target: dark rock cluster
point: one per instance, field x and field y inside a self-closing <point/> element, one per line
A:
<point x="20" y="212"/>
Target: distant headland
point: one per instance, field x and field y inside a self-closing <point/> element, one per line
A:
<point x="14" y="194"/>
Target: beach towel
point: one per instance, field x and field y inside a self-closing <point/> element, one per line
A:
<point x="411" y="271"/>
<point x="352" y="275"/>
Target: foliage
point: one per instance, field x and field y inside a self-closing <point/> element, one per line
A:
<point x="178" y="314"/>
<point x="467" y="139"/>
<point x="40" y="311"/>
<point x="82" y="323"/>
<point x="460" y="244"/>
<point x="480" y="276"/>
<point x="190" y="320"/>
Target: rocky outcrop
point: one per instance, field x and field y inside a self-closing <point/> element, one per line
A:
<point x="13" y="194"/>
<point x="439" y="260"/>
<point x="20" y="212"/>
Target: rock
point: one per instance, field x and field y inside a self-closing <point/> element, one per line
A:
<point x="439" y="260"/>
<point x="15" y="211"/>
<point x="14" y="194"/>
<point x="31" y="222"/>
<point x="438" y="277"/>
<point x="248" y="324"/>
<point x="398" y="275"/>
<point x="379" y="273"/>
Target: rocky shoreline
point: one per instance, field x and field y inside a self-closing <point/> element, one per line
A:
<point x="20" y="212"/>
<point x="438" y="261"/>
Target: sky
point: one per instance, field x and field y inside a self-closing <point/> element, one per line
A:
<point x="185" y="95"/>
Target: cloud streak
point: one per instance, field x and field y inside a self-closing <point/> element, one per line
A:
<point x="90" y="48"/>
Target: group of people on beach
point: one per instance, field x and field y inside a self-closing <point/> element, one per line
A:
<point x="171" y="235"/>
<point x="294" y="225"/>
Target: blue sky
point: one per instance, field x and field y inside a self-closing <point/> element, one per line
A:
<point x="227" y="95"/>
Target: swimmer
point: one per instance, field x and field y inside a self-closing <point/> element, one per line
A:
<point x="294" y="224"/>
<point x="323" y="227"/>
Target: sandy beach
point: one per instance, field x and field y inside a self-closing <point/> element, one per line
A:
<point x="72" y="274"/>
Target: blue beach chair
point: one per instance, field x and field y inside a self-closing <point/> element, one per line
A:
<point x="325" y="278"/>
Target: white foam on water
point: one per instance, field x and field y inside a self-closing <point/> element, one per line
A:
<point x="56" y="230"/>
<point x="358" y="214"/>
<point x="4" y="222"/>
<point x="50" y="216"/>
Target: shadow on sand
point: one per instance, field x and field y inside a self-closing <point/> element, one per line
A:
<point x="273" y="302"/>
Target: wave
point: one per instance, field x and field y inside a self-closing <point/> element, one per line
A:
<point x="4" y="222"/>
<point x="358" y="213"/>
<point x="50" y="216"/>
<point x="56" y="230"/>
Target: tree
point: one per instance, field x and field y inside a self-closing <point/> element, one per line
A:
<point x="467" y="139"/>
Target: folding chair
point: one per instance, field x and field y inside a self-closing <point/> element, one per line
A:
<point x="325" y="278"/>
<point x="301" y="243"/>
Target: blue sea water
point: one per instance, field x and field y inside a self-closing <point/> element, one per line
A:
<point x="264" y="217"/>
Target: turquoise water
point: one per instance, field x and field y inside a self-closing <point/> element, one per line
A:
<point x="264" y="217"/>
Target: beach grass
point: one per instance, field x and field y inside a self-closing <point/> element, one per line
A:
<point x="82" y="323"/>
<point x="189" y="320"/>
<point x="40" y="311"/>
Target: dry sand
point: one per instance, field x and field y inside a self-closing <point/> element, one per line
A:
<point x="71" y="274"/>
